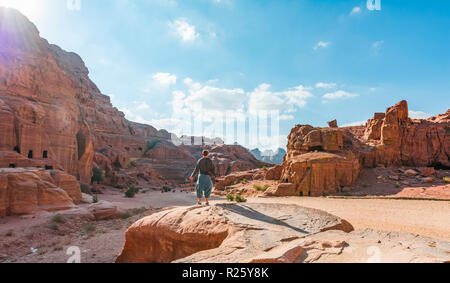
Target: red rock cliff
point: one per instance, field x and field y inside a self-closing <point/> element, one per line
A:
<point x="51" y="113"/>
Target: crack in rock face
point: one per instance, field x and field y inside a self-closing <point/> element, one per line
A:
<point x="222" y="233"/>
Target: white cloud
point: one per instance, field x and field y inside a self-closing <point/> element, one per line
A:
<point x="165" y="79"/>
<point x="287" y="117"/>
<point x="321" y="44"/>
<point x="340" y="94"/>
<point x="354" y="124"/>
<point x="184" y="30"/>
<point x="419" y="115"/>
<point x="214" y="98"/>
<point x="128" y="113"/>
<point x="355" y="10"/>
<point x="325" y="85"/>
<point x="166" y="3"/>
<point x="262" y="99"/>
<point x="143" y="106"/>
<point x="376" y="46"/>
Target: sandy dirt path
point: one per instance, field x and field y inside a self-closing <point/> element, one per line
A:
<point x="427" y="218"/>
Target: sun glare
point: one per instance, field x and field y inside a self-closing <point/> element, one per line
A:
<point x="30" y="8"/>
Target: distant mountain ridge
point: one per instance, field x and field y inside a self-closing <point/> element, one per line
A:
<point x="269" y="156"/>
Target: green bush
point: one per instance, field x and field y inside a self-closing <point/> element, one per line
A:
<point x="58" y="218"/>
<point x="97" y="175"/>
<point x="84" y="188"/>
<point x="125" y="215"/>
<point x="261" y="188"/>
<point x="239" y="198"/>
<point x="131" y="192"/>
<point x="167" y="189"/>
<point x="95" y="199"/>
<point x="53" y="227"/>
<point x="88" y="228"/>
<point x="230" y="197"/>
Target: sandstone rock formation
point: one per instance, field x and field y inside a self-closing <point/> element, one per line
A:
<point x="394" y="139"/>
<point x="221" y="233"/>
<point x="104" y="210"/>
<point x="316" y="163"/>
<point x="322" y="161"/>
<point x="333" y="124"/>
<point x="268" y="233"/>
<point x="26" y="191"/>
<point x="362" y="246"/>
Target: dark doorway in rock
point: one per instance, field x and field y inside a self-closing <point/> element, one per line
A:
<point x="48" y="167"/>
<point x="440" y="166"/>
<point x="12" y="165"/>
<point x="45" y="154"/>
<point x="17" y="149"/>
<point x="140" y="149"/>
<point x="301" y="194"/>
<point x="316" y="148"/>
<point x="30" y="154"/>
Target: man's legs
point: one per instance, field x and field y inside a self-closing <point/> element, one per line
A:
<point x="199" y="194"/>
<point x="207" y="195"/>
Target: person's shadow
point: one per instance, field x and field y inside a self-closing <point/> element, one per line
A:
<point x="249" y="212"/>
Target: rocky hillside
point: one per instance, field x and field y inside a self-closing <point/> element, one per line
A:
<point x="53" y="116"/>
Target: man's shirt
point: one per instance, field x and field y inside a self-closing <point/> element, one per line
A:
<point x="204" y="166"/>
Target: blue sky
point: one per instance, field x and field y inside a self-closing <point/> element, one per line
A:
<point x="313" y="61"/>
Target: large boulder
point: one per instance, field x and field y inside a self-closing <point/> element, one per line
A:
<point x="104" y="210"/>
<point x="26" y="191"/>
<point x="69" y="184"/>
<point x="274" y="173"/>
<point x="362" y="246"/>
<point x="221" y="233"/>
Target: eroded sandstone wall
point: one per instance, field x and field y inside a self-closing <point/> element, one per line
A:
<point x="50" y="111"/>
<point x="398" y="140"/>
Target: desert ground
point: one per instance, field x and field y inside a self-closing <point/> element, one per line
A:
<point x="46" y="238"/>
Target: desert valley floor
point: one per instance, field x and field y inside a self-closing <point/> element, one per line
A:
<point x="34" y="239"/>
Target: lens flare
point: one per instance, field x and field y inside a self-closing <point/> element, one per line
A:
<point x="30" y="8"/>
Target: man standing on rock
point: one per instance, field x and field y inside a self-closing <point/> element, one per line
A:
<point x="205" y="167"/>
